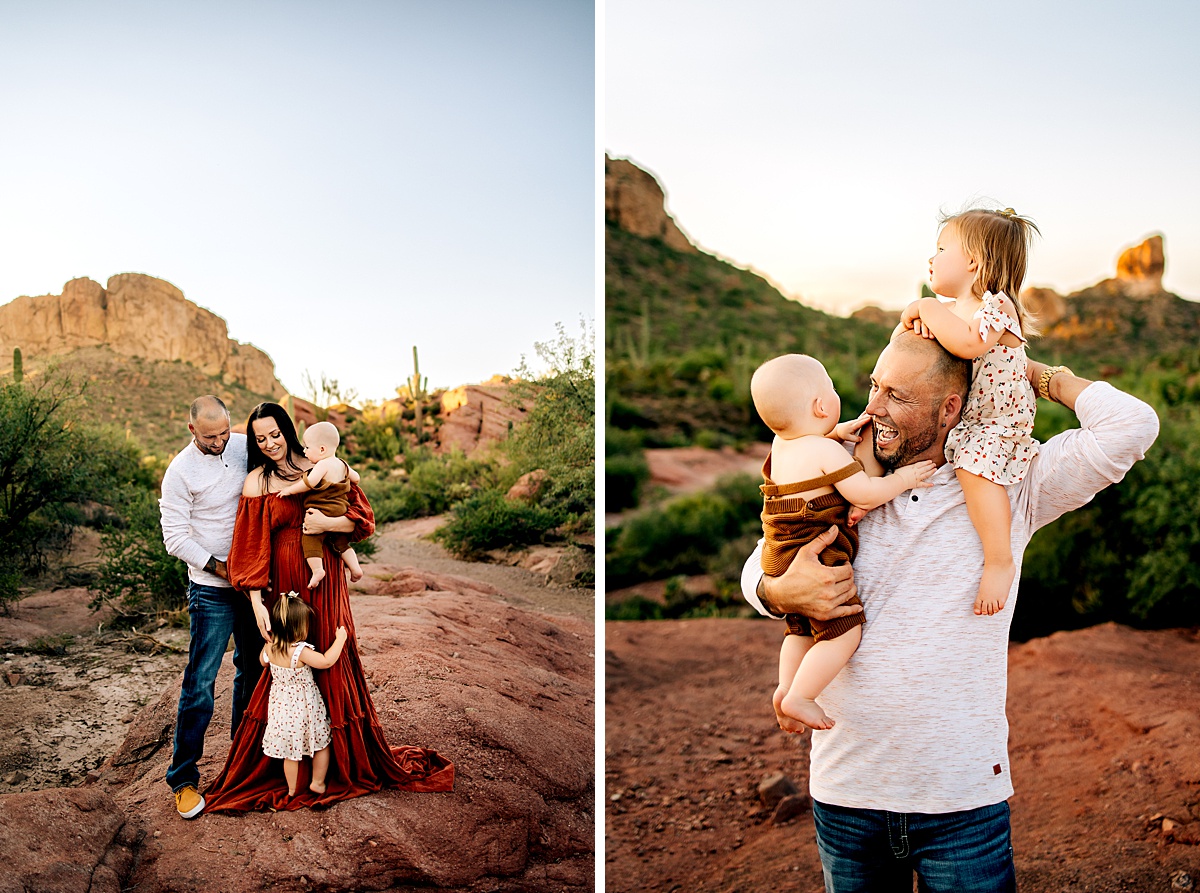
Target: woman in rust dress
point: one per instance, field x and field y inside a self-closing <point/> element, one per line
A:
<point x="266" y="560"/>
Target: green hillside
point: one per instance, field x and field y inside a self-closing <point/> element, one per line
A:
<point x="148" y="399"/>
<point x="686" y="330"/>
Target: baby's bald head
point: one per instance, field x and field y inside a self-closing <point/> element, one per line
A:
<point x="784" y="390"/>
<point x="322" y="434"/>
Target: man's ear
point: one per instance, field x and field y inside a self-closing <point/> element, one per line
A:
<point x="951" y="410"/>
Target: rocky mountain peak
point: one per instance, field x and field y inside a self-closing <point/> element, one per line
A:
<point x="1141" y="267"/>
<point x="137" y="316"/>
<point x="635" y="201"/>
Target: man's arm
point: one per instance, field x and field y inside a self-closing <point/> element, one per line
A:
<point x="175" y="509"/>
<point x="807" y="587"/>
<point x="1117" y="429"/>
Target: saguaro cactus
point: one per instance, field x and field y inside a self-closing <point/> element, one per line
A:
<point x="416" y="390"/>
<point x="18" y="366"/>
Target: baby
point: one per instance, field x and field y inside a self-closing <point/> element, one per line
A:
<point x="810" y="483"/>
<point x="326" y="487"/>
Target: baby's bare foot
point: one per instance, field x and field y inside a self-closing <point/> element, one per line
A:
<point x="806" y="711"/>
<point x="317" y="577"/>
<point x="317" y="787"/>
<point x="993" y="588"/>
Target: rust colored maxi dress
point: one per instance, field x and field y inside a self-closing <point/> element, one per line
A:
<point x="267" y="555"/>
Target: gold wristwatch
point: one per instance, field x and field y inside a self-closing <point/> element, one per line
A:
<point x="1043" y="385"/>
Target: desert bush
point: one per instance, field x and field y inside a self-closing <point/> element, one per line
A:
<point x="434" y="483"/>
<point x="136" y="574"/>
<point x="624" y="478"/>
<point x="558" y="435"/>
<point x="489" y="521"/>
<point x="50" y="463"/>
<point x="684" y="535"/>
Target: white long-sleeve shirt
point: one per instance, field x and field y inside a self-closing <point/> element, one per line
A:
<point x="199" y="504"/>
<point x="919" y="709"/>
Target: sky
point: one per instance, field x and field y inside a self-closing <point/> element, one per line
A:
<point x="817" y="142"/>
<point x="339" y="181"/>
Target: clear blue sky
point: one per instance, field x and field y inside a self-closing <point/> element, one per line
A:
<point x="338" y="180"/>
<point x="816" y="141"/>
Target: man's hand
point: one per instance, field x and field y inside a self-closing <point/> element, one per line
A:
<point x="810" y="588"/>
<point x="216" y="566"/>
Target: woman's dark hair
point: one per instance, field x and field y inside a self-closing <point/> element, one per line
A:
<point x="254" y="454"/>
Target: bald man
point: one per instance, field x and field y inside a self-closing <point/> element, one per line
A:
<point x="199" y="503"/>
<point x="914" y="776"/>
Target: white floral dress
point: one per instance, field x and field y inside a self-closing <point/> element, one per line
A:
<point x="994" y="439"/>
<point x="297" y="722"/>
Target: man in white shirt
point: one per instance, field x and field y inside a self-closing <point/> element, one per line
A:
<point x="914" y="776"/>
<point x="200" y="492"/>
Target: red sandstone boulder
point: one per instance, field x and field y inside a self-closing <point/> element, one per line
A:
<point x="506" y="694"/>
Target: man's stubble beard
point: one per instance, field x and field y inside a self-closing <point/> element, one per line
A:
<point x="909" y="449"/>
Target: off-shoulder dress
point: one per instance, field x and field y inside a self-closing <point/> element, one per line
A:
<point x="267" y="555"/>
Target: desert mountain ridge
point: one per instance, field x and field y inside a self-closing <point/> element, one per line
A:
<point x="134" y="315"/>
<point x="130" y="336"/>
<point x="635" y="202"/>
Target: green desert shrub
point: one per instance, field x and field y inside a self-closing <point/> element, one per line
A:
<point x="624" y="478"/>
<point x="682" y="536"/>
<point x="50" y="464"/>
<point x="489" y="521"/>
<point x="136" y="574"/>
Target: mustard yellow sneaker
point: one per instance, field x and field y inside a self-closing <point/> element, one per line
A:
<point x="189" y="802"/>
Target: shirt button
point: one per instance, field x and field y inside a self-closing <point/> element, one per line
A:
<point x="914" y="497"/>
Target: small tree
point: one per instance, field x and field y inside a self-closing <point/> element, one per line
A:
<point x="49" y="463"/>
<point x="559" y="431"/>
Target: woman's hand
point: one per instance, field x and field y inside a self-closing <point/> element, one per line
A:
<point x="261" y="615"/>
<point x="317" y="523"/>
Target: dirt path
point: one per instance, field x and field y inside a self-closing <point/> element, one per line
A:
<point x="69" y="685"/>
<point x="1103" y="744"/>
<point x="401" y="543"/>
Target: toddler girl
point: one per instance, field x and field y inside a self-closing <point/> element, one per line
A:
<point x="297" y="723"/>
<point x="980" y="263"/>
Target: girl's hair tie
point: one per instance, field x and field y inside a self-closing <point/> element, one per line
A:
<point x="1008" y="212"/>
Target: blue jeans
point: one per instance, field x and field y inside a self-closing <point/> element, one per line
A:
<point x="956" y="852"/>
<point x="216" y="613"/>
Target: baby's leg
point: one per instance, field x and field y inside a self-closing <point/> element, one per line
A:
<point x="320" y="767"/>
<point x="350" y="559"/>
<point x="991" y="513"/>
<point x="790" y="655"/>
<point x="317" y="565"/>
<point x="291" y="770"/>
<point x="822" y="662"/>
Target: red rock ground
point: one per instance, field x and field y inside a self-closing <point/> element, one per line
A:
<point x="1105" y="724"/>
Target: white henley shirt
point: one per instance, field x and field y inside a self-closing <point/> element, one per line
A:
<point x="199" y="505"/>
<point x="920" y="707"/>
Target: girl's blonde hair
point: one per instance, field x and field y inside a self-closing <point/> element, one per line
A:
<point x="290" y="619"/>
<point x="998" y="242"/>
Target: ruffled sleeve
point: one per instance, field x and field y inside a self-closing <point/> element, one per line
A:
<point x="992" y="316"/>
<point x="249" y="562"/>
<point x="359" y="511"/>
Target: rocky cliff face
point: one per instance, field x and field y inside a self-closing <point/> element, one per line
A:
<point x="1132" y="301"/>
<point x="634" y="201"/>
<point x="477" y="414"/>
<point x="137" y="316"/>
